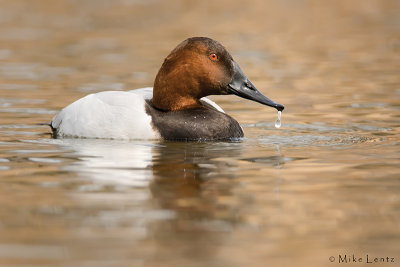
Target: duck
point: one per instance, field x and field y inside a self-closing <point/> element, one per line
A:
<point x="175" y="108"/>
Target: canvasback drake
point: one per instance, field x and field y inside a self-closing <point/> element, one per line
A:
<point x="175" y="109"/>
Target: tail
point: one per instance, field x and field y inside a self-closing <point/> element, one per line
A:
<point x="54" y="130"/>
<point x="44" y="123"/>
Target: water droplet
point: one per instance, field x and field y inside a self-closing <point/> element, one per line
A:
<point x="278" y="121"/>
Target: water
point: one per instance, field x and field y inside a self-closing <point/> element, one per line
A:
<point x="325" y="185"/>
<point x="278" y="120"/>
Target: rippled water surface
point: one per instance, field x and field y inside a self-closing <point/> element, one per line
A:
<point x="323" y="186"/>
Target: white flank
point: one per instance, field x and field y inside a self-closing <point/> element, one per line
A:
<point x="110" y="114"/>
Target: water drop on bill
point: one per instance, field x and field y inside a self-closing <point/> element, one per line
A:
<point x="278" y="121"/>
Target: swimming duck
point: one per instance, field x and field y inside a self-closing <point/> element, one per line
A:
<point x="176" y="108"/>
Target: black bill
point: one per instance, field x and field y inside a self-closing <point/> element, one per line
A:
<point x="241" y="86"/>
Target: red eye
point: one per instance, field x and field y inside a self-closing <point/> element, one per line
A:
<point x="213" y="56"/>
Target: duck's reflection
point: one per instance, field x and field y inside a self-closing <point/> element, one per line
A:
<point x="194" y="182"/>
<point x="134" y="162"/>
<point x="191" y="179"/>
<point x="184" y="173"/>
<point x="111" y="161"/>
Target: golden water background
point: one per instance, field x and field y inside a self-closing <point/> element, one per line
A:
<point x="326" y="184"/>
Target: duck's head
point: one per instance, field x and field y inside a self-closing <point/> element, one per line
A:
<point x="199" y="67"/>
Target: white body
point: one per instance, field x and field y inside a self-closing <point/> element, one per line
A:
<point x="110" y="114"/>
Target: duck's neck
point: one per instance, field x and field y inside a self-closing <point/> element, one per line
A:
<point x="171" y="93"/>
<point x="174" y="102"/>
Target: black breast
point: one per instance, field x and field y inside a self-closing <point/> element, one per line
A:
<point x="203" y="123"/>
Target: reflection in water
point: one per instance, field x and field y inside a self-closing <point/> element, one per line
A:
<point x="111" y="161"/>
<point x="190" y="189"/>
<point x="184" y="174"/>
<point x="134" y="162"/>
